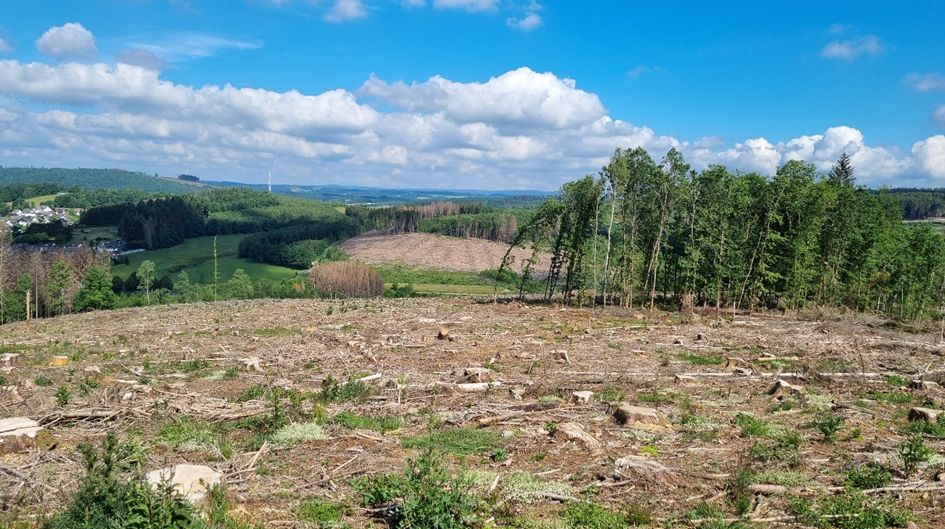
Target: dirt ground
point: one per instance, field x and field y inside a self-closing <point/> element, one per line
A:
<point x="156" y="365"/>
<point x="427" y="250"/>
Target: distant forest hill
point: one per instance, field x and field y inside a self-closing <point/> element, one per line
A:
<point x="107" y="186"/>
<point x="110" y="179"/>
<point x="380" y="196"/>
<point x="918" y="204"/>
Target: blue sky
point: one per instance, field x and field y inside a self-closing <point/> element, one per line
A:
<point x="470" y="93"/>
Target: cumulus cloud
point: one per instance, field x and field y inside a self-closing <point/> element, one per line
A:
<point x="345" y="10"/>
<point x="5" y="46"/>
<point x="926" y="82"/>
<point x="467" y="5"/>
<point x="519" y="129"/>
<point x="520" y="98"/>
<point x="929" y="155"/>
<point x="70" y="40"/>
<point x="853" y="48"/>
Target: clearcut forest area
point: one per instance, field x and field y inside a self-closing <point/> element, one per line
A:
<point x="655" y="347"/>
<point x="319" y="413"/>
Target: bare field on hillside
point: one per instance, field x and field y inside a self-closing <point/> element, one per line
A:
<point x="437" y="251"/>
<point x="706" y="416"/>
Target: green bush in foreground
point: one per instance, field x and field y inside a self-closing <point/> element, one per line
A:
<point x="426" y="496"/>
<point x="107" y="500"/>
<point x="113" y="495"/>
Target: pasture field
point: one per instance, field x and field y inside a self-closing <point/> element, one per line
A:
<point x="195" y="256"/>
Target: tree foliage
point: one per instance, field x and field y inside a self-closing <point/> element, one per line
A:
<point x="645" y="232"/>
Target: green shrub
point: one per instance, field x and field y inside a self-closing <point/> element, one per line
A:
<point x="335" y="391"/>
<point x="43" y="381"/>
<point x="323" y="513"/>
<point x="850" y="510"/>
<point x="752" y="427"/>
<point x="914" y="452"/>
<point x="426" y="496"/>
<point x="63" y="396"/>
<point x="935" y="429"/>
<point x="589" y="515"/>
<point x="782" y="449"/>
<point x="869" y="476"/>
<point x="828" y="424"/>
<point x="109" y="497"/>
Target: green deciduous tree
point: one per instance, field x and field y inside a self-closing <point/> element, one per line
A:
<point x="95" y="292"/>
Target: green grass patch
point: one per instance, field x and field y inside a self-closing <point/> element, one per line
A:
<point x="297" y="433"/>
<point x="589" y="515"/>
<point x="786" y="478"/>
<point x="701" y="360"/>
<point x="850" y="510"/>
<point x="753" y="427"/>
<point x="897" y="381"/>
<point x="195" y="256"/>
<point x="191" y="435"/>
<point x="456" y="441"/>
<point x="353" y="421"/>
<point x="656" y="397"/>
<point x="275" y="332"/>
<point x="323" y="513"/>
<point x="890" y="397"/>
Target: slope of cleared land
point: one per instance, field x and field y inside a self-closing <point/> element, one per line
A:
<point x="436" y="251"/>
<point x="171" y="381"/>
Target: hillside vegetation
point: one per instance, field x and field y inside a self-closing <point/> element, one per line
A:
<point x="94" y="179"/>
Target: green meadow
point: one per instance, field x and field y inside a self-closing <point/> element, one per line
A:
<point x="195" y="256"/>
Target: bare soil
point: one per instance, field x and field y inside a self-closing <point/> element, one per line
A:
<point x="427" y="250"/>
<point x="538" y="354"/>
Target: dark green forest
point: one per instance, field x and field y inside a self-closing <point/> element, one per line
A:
<point x="644" y="232"/>
<point x="94" y="179"/>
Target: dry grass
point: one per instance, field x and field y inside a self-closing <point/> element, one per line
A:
<point x="347" y="278"/>
<point x="148" y="374"/>
<point x="437" y="251"/>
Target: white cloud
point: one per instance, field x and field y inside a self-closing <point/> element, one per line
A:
<point x="519" y="98"/>
<point x="929" y="155"/>
<point x="178" y="47"/>
<point x="527" y="23"/>
<point x="638" y="71"/>
<point x="519" y="129"/>
<point x="413" y="3"/>
<point x="5" y="46"/>
<point x="142" y="58"/>
<point x="939" y="115"/>
<point x="345" y="10"/>
<point x="926" y="82"/>
<point x="70" y="40"/>
<point x="467" y="5"/>
<point x="853" y="48"/>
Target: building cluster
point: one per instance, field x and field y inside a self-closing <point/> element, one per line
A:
<point x="20" y="219"/>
